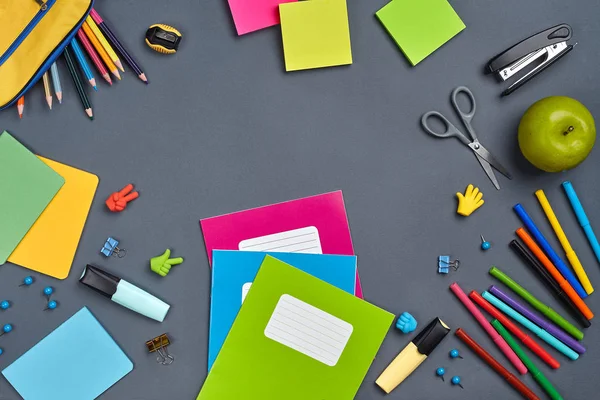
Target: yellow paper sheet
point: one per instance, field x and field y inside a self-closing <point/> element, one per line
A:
<point x="315" y="34"/>
<point x="50" y="245"/>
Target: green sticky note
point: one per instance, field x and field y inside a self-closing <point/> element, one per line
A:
<point x="419" y="27"/>
<point x="315" y="34"/>
<point x="296" y="337"/>
<point x="27" y="185"/>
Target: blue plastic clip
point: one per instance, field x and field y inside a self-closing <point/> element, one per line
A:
<point x="406" y="323"/>
<point x="110" y="248"/>
<point x="444" y="264"/>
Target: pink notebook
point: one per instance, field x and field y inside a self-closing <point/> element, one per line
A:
<point x="316" y="224"/>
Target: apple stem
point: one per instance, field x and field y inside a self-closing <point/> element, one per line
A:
<point x="571" y="129"/>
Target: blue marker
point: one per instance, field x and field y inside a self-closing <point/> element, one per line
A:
<point x="582" y="217"/>
<point x="556" y="260"/>
<point x="541" y="333"/>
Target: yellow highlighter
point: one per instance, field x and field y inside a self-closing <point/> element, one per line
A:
<point x="570" y="253"/>
<point x="413" y="355"/>
<point x="102" y="39"/>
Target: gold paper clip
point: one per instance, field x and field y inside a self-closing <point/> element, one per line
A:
<point x="159" y="344"/>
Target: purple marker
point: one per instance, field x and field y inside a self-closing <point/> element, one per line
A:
<point x="547" y="326"/>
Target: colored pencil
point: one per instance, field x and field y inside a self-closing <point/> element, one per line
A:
<point x="109" y="50"/>
<point x="539" y="332"/>
<point x="535" y="372"/>
<point x="556" y="260"/>
<point x="85" y="67"/>
<point x="535" y="303"/>
<point x="78" y="84"/>
<point x="94" y="56"/>
<point x="112" y="38"/>
<point x="56" y="82"/>
<point x="21" y="106"/>
<point x="582" y="218"/>
<point x="558" y="286"/>
<point x="539" y="321"/>
<point x="103" y="54"/>
<point x="496" y="338"/>
<point x="47" y="90"/>
<point x="523" y="337"/>
<point x="564" y="242"/>
<point x="495" y="365"/>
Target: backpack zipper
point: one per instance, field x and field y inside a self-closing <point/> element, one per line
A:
<point x="45" y="5"/>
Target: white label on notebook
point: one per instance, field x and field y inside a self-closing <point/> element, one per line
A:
<point x="303" y="240"/>
<point x="245" y="290"/>
<point x="309" y="330"/>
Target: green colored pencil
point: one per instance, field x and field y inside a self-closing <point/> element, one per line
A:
<point x="538" y="305"/>
<point x="78" y="84"/>
<point x="535" y="372"/>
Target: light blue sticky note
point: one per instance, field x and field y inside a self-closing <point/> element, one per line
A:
<point x="234" y="271"/>
<point x="79" y="360"/>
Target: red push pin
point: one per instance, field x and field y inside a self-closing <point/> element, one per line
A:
<point x="117" y="201"/>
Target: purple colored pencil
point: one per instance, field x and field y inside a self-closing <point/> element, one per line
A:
<point x="112" y="38"/>
<point x="547" y="326"/>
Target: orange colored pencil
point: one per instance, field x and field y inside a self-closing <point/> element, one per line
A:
<point x="562" y="282"/>
<point x="94" y="56"/>
<point x="21" y="106"/>
<point x="98" y="46"/>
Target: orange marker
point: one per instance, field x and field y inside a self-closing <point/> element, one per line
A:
<point x="98" y="46"/>
<point x="562" y="282"/>
<point x="21" y="106"/>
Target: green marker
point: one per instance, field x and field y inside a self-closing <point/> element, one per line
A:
<point x="538" y="305"/>
<point x="535" y="372"/>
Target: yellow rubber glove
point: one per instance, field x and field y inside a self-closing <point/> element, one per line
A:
<point x="470" y="201"/>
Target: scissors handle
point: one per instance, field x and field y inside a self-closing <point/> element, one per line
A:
<point x="466" y="117"/>
<point x="451" y="130"/>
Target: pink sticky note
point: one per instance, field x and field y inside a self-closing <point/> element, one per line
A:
<point x="252" y="15"/>
<point x="316" y="224"/>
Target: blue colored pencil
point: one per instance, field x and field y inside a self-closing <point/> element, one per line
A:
<point x="85" y="67"/>
<point x="56" y="81"/>
<point x="543" y="243"/>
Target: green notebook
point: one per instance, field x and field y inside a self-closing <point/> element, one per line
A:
<point x="27" y="185"/>
<point x="420" y="27"/>
<point x="296" y="338"/>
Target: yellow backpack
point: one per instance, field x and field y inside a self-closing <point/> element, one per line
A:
<point x="35" y="33"/>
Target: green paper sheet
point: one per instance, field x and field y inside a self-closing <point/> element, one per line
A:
<point x="296" y="338"/>
<point x="27" y="186"/>
<point x="419" y="27"/>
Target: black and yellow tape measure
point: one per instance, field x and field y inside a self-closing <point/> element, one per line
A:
<point x="163" y="38"/>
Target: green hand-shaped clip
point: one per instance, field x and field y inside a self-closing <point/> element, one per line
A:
<point x="162" y="264"/>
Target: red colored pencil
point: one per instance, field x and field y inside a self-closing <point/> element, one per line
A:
<point x="496" y="366"/>
<point x="523" y="337"/>
<point x="94" y="56"/>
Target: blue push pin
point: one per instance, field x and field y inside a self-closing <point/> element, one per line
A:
<point x="5" y="305"/>
<point x="48" y="290"/>
<point x="51" y="305"/>
<point x="1" y="351"/>
<point x="6" y="329"/>
<point x="27" y="281"/>
<point x="440" y="372"/>
<point x="485" y="245"/>
<point x="454" y="354"/>
<point x="456" y="381"/>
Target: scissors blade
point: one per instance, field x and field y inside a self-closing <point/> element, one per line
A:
<point x="488" y="170"/>
<point x="487" y="156"/>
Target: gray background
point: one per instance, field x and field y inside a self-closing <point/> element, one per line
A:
<point x="222" y="127"/>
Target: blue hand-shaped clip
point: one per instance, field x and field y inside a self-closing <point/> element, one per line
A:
<point x="110" y="248"/>
<point x="406" y="323"/>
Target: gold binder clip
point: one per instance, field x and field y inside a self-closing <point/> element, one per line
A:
<point x="159" y="344"/>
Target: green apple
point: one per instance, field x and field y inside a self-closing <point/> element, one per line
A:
<point x="557" y="133"/>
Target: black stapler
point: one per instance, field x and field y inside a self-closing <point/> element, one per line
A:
<point x="549" y="46"/>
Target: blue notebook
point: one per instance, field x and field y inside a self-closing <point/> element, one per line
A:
<point x="234" y="271"/>
<point x="79" y="360"/>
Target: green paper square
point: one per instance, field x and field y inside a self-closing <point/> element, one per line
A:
<point x="419" y="27"/>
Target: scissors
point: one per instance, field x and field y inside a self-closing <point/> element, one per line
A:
<point x="485" y="158"/>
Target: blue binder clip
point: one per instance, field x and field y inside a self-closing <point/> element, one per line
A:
<point x="444" y="264"/>
<point x="110" y="248"/>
